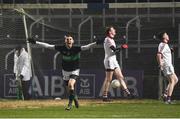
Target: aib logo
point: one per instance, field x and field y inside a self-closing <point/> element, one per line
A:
<point x="10" y="86"/>
<point x="86" y="86"/>
<point x="84" y="83"/>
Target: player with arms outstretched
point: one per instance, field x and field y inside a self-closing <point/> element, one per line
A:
<point x="164" y="59"/>
<point x="111" y="63"/>
<point x="70" y="63"/>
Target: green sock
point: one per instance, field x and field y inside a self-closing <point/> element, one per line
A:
<point x="71" y="95"/>
<point x="19" y="93"/>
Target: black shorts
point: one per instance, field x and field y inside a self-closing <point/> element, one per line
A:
<point x="75" y="77"/>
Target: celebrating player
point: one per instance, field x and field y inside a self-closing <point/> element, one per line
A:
<point x="164" y="59"/>
<point x="111" y="64"/>
<point x="70" y="63"/>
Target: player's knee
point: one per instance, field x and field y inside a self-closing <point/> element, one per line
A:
<point x="173" y="81"/>
<point x="71" y="86"/>
<point x="120" y="77"/>
<point x="176" y="80"/>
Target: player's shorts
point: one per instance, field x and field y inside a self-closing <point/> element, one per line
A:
<point x="168" y="70"/>
<point x="111" y="64"/>
<point x="70" y="74"/>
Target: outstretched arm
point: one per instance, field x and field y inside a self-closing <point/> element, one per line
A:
<point x="42" y="44"/>
<point x="45" y="45"/>
<point x="87" y="47"/>
<point x="118" y="49"/>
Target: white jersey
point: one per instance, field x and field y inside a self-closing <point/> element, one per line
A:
<point x="22" y="65"/>
<point x="110" y="61"/>
<point x="166" y="54"/>
<point x="109" y="53"/>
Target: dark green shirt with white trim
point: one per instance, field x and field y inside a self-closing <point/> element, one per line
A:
<point x="70" y="57"/>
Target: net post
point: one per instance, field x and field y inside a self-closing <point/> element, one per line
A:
<point x="28" y="48"/>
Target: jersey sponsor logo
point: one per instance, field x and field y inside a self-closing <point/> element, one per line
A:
<point x="71" y="57"/>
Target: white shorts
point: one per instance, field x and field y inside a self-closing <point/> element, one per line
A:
<point x="111" y="64"/>
<point x="168" y="70"/>
<point x="67" y="74"/>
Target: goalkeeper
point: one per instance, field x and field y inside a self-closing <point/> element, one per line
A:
<point x="70" y="63"/>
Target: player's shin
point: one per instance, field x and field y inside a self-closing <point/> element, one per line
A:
<point x="126" y="90"/>
<point x="71" y="95"/>
<point x="105" y="91"/>
<point x="106" y="88"/>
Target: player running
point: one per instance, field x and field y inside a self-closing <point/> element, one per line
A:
<point x="164" y="59"/>
<point x="70" y="64"/>
<point x="111" y="63"/>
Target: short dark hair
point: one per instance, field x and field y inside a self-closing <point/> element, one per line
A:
<point x="160" y="35"/>
<point x="108" y="29"/>
<point x="68" y="35"/>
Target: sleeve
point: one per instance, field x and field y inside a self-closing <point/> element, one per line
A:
<point x="45" y="45"/>
<point x="58" y="48"/>
<point x="159" y="55"/>
<point x="161" y="48"/>
<point x="115" y="49"/>
<point x="87" y="47"/>
<point x="27" y="64"/>
<point x="77" y="49"/>
<point x="110" y="43"/>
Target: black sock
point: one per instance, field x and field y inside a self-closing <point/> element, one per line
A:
<point x="165" y="93"/>
<point x="127" y="92"/>
<point x="168" y="97"/>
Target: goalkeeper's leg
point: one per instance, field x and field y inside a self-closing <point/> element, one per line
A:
<point x="108" y="78"/>
<point x="120" y="77"/>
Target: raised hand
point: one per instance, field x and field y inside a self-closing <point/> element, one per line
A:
<point x="31" y="40"/>
<point x="124" y="46"/>
<point x="98" y="40"/>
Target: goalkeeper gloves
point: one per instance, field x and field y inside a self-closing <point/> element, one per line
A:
<point x="124" y="46"/>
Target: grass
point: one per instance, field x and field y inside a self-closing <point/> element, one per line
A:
<point x="89" y="109"/>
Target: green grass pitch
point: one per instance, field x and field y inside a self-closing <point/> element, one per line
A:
<point x="89" y="109"/>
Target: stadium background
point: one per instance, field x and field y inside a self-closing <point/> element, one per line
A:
<point x="55" y="23"/>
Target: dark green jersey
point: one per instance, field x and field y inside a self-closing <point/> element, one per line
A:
<point x="70" y="57"/>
